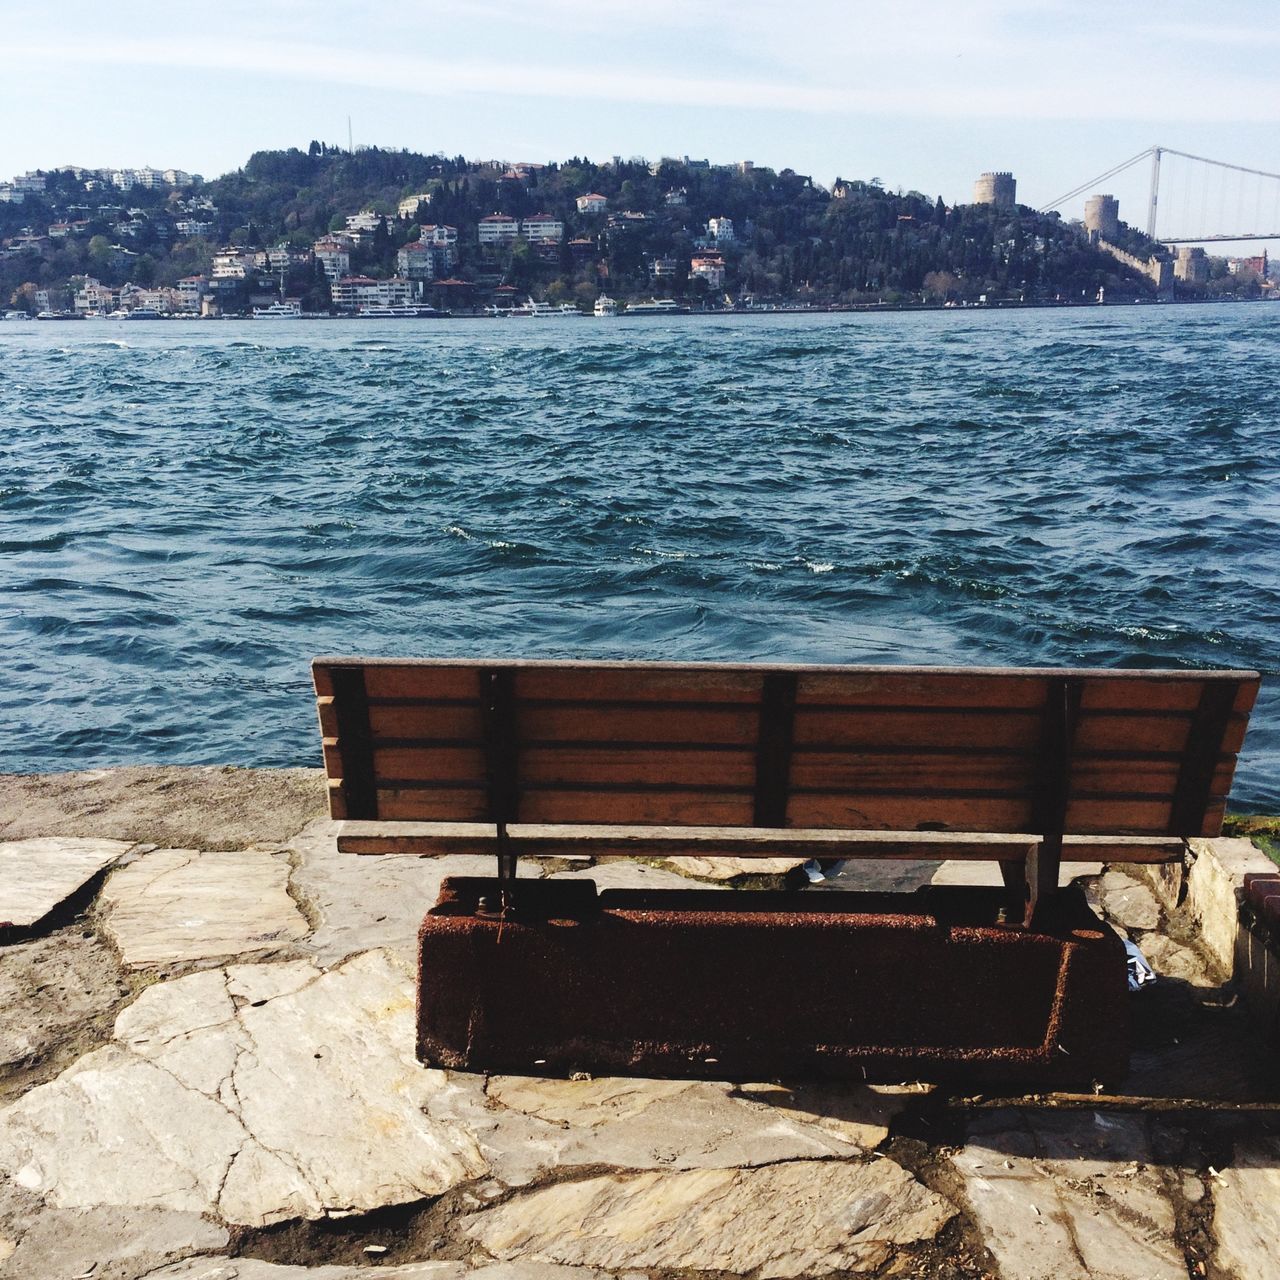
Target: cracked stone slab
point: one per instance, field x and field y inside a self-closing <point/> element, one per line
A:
<point x="37" y="876"/>
<point x="622" y="873"/>
<point x="254" y="1093"/>
<point x="1070" y="1197"/>
<point x="1128" y="902"/>
<point x="253" y="1269"/>
<point x="175" y="905"/>
<point x="795" y="1219"/>
<point x="108" y="1243"/>
<point x="363" y="901"/>
<point x="732" y="868"/>
<point x="1246" y="1210"/>
<point x="530" y="1126"/>
<point x="987" y="874"/>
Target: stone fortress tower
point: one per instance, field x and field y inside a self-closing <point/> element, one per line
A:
<point x="1102" y="217"/>
<point x="998" y="189"/>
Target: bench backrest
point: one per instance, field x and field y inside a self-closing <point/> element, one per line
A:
<point x="1087" y="752"/>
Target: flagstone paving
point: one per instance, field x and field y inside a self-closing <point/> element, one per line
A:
<point x="219" y="1049"/>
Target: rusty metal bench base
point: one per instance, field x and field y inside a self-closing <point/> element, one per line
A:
<point x="751" y="986"/>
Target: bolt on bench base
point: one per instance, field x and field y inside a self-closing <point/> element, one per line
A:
<point x="751" y="986"/>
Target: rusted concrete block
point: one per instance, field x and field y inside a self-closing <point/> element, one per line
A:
<point x="755" y="986"/>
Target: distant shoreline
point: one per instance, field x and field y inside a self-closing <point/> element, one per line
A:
<point x="857" y="308"/>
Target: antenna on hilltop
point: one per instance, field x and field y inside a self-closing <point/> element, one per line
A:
<point x="350" y="148"/>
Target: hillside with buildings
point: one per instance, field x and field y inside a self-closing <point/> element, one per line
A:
<point x="340" y="231"/>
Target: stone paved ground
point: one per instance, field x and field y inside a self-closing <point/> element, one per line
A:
<point x="207" y="1072"/>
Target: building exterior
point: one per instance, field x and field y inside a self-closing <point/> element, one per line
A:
<point x="1255" y="267"/>
<point x="1102" y="217"/>
<point x="497" y="228"/>
<point x="189" y="291"/>
<point x="443" y="243"/>
<point x="416" y="261"/>
<point x="9" y="194"/>
<point x="93" y="296"/>
<point x="1191" y="266"/>
<point x="231" y="264"/>
<point x="720" y="230"/>
<point x="333" y="256"/>
<point x="709" y="269"/>
<point x="542" y="226"/>
<point x="677" y="198"/>
<point x="29" y="182"/>
<point x="364" y="222"/>
<point x="593" y="202"/>
<point x="354" y="292"/>
<point x="408" y="207"/>
<point x="191" y="227"/>
<point x="999" y="189"/>
<point x="661" y="268"/>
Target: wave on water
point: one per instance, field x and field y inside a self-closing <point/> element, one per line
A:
<point x="1075" y="487"/>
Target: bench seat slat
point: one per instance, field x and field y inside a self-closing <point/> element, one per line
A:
<point x="600" y="841"/>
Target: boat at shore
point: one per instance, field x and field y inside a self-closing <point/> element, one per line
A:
<point x="278" y="311"/>
<point x="399" y="313"/>
<point x="605" y="307"/>
<point x="17" y="315"/>
<point x="656" y="307"/>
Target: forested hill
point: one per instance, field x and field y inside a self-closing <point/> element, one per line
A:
<point x="791" y="239"/>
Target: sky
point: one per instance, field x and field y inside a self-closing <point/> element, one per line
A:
<point x="922" y="95"/>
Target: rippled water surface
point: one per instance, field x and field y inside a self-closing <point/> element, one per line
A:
<point x="190" y="512"/>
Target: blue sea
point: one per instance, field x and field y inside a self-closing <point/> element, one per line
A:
<point x="190" y="511"/>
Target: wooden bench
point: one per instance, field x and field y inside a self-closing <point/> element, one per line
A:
<point x="1019" y="766"/>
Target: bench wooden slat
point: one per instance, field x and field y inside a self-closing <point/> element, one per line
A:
<point x="420" y="839"/>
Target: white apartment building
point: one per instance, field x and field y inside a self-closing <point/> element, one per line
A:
<point x="661" y="267"/>
<point x="593" y="202"/>
<point x="416" y="261"/>
<point x="363" y="222"/>
<point x="709" y="269"/>
<point x="94" y="296"/>
<point x="408" y="207"/>
<point x="9" y="194"/>
<point x="542" y="226"/>
<point x="29" y="182"/>
<point x="189" y="291"/>
<point x="333" y="256"/>
<point x="231" y="264"/>
<point x="497" y="228"/>
<point x="721" y="230"/>
<point x="354" y="292"/>
<point x="191" y="227"/>
<point x="179" y="177"/>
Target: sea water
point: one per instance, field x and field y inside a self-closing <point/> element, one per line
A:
<point x="189" y="511"/>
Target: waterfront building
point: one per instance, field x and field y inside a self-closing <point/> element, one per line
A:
<point x="333" y="256"/>
<point x="354" y="292"/>
<point x="542" y="227"/>
<point x="592" y="202"/>
<point x="189" y="292"/>
<point x="999" y="189"/>
<point x="94" y="296"/>
<point x="497" y="228"/>
<point x="1255" y="267"/>
<point x="1102" y="217"/>
<point x="710" y="269"/>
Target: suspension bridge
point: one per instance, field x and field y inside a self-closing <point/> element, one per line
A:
<point x="1195" y="200"/>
